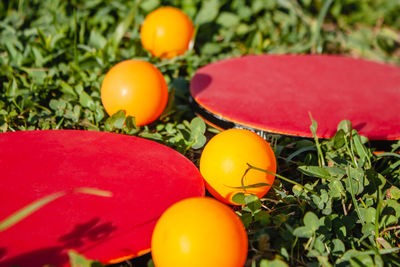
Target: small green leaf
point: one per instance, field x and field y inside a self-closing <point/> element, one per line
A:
<point x="338" y="247"/>
<point x="4" y="127"/>
<point x="73" y="114"/>
<point x="152" y="136"/>
<point x="200" y="142"/>
<point x="319" y="245"/>
<point x="149" y="5"/>
<point x="228" y="19"/>
<point x="336" y="189"/>
<point x="12" y="89"/>
<point x="97" y="40"/>
<point x="78" y="260"/>
<point x="208" y="12"/>
<point x="324" y="195"/>
<point x="336" y="171"/>
<point x="86" y="101"/>
<point x="99" y="114"/>
<point x="345" y="125"/>
<point x="357" y="181"/>
<point x="263" y="217"/>
<point x="339" y="139"/>
<point x="273" y="263"/>
<point x="57" y="105"/>
<point x="67" y="89"/>
<point x="370" y="215"/>
<point x="246" y="218"/>
<point x="394" y="193"/>
<point x="39" y="76"/>
<point x="239" y="198"/>
<point x="324" y="261"/>
<point x="395" y="205"/>
<point x="117" y="120"/>
<point x="303" y="231"/>
<point x="253" y="202"/>
<point x="315" y="171"/>
<point x="211" y="48"/>
<point x="378" y="260"/>
<point x="362" y="261"/>
<point x="197" y="126"/>
<point x="130" y="122"/>
<point x="311" y="221"/>
<point x="368" y="229"/>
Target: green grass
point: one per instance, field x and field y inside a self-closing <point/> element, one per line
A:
<point x="345" y="208"/>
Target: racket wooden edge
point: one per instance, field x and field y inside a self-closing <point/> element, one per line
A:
<point x="222" y="123"/>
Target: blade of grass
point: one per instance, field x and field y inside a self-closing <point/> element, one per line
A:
<point x="313" y="129"/>
<point x="350" y="150"/>
<point x="93" y="191"/>
<point x="378" y="212"/>
<point x="353" y="197"/>
<point x="123" y="27"/>
<point x="28" y="210"/>
<point x="75" y="38"/>
<point x="388" y="154"/>
<point x="278" y="176"/>
<point x="36" y="205"/>
<point x="249" y="186"/>
<point x="298" y="152"/>
<point x="317" y="31"/>
<point x="361" y="150"/>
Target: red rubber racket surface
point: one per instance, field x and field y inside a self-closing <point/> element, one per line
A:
<point x="276" y="93"/>
<point x="144" y="177"/>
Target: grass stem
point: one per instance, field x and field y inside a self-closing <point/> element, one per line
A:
<point x="278" y="176"/>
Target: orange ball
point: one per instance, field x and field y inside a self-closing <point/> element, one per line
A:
<point x="138" y="88"/>
<point x="199" y="232"/>
<point x="166" y="32"/>
<point x="224" y="161"/>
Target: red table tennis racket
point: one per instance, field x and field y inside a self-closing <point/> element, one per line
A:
<point x="276" y="94"/>
<point x="144" y="178"/>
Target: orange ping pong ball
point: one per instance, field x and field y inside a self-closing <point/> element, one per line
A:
<point x="199" y="232"/>
<point x="138" y="88"/>
<point x="166" y="32"/>
<point x="224" y="160"/>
